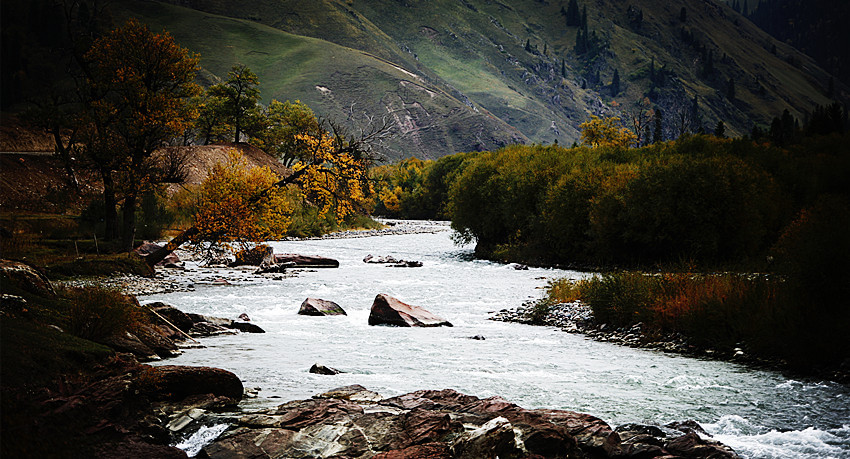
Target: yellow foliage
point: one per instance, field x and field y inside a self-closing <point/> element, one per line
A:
<point x="333" y="179"/>
<point x="606" y="132"/>
<point x="237" y="204"/>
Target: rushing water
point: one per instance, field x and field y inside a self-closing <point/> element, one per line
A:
<point x="761" y="414"/>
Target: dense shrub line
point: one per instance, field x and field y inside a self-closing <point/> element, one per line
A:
<point x="699" y="199"/>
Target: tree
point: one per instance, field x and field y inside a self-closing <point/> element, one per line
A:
<point x="658" y="132"/>
<point x="720" y="130"/>
<point x="145" y="81"/>
<point x="730" y="89"/>
<point x="211" y="124"/>
<point x="238" y="205"/>
<point x="615" y="83"/>
<point x="240" y="95"/>
<point x="573" y="14"/>
<point x="683" y="14"/>
<point x="285" y="122"/>
<point x="330" y="174"/>
<point x="606" y="132"/>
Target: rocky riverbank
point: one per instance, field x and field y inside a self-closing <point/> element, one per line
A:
<point x="353" y="422"/>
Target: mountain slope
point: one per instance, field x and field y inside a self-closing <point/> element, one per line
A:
<point x="342" y="83"/>
<point x="471" y="74"/>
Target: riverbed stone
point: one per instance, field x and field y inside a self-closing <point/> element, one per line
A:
<point x="387" y="310"/>
<point x="323" y="370"/>
<point x="319" y="307"/>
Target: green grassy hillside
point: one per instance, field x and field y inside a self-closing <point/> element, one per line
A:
<point x="336" y="81"/>
<point x="457" y="75"/>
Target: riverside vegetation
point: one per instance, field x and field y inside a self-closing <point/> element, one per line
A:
<point x="659" y="222"/>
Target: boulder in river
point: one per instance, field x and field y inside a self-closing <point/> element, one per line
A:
<point x="319" y="307"/>
<point x="387" y="310"/>
<point x="323" y="370"/>
<point x="305" y="261"/>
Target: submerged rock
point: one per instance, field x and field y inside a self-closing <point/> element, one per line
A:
<point x="319" y="307"/>
<point x="387" y="310"/>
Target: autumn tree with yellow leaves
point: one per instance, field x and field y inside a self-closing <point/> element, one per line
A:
<point x="237" y="205"/>
<point x="249" y="206"/>
<point x="606" y="132"/>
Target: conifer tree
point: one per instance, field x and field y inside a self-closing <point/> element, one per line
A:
<point x="720" y="130"/>
<point x="658" y="133"/>
<point x="615" y="83"/>
<point x="573" y="15"/>
<point x="730" y="89"/>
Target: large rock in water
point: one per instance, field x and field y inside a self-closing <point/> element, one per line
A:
<point x="387" y="310"/>
<point x="317" y="307"/>
<point x="305" y="261"/>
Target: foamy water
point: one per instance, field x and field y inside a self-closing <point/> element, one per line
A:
<point x="761" y="414"/>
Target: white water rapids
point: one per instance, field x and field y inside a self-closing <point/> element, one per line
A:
<point x="761" y="414"/>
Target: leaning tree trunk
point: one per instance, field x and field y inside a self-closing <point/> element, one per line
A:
<point x="187" y="235"/>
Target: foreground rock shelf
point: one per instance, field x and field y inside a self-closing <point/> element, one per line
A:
<point x="353" y="422"/>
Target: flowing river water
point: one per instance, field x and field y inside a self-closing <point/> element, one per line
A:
<point x="761" y="414"/>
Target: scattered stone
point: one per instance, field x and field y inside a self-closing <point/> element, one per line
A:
<point x="274" y="268"/>
<point x="392" y="262"/>
<point x="319" y="307"/>
<point x="244" y="317"/>
<point x="478" y="337"/>
<point x="387" y="310"/>
<point x="323" y="370"/>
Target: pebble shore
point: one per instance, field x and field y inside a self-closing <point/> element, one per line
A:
<point x="169" y="280"/>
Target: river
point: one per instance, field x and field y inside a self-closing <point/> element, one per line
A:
<point x="761" y="414"/>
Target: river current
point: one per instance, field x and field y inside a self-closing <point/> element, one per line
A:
<point x="761" y="414"/>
